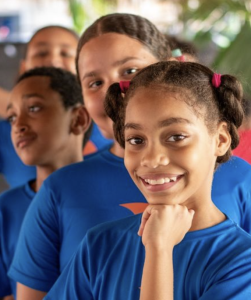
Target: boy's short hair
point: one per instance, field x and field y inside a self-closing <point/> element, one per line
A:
<point x="63" y="82"/>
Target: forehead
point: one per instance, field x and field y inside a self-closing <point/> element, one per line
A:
<point x="109" y="47"/>
<point x="155" y="104"/>
<point x="53" y="37"/>
<point x="32" y="85"/>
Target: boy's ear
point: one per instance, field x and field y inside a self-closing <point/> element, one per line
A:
<point x="22" y="67"/>
<point x="81" y="120"/>
<point x="223" y="141"/>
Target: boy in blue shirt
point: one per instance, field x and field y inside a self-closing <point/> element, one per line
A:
<point x="48" y="121"/>
<point x="50" y="46"/>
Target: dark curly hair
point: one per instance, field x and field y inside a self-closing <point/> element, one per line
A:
<point x="133" y="26"/>
<point x="65" y="84"/>
<point x="193" y="79"/>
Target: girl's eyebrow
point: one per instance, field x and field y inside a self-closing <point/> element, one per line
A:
<point x="163" y="123"/>
<point x="115" y="64"/>
<point x="171" y="121"/>
<point x="124" y="60"/>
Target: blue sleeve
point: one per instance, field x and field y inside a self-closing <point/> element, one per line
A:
<point x="36" y="260"/>
<point x="74" y="283"/>
<point x="5" y="288"/>
<point x="234" y="284"/>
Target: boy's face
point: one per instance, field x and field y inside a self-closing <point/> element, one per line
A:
<point x="52" y="47"/>
<point x="40" y="125"/>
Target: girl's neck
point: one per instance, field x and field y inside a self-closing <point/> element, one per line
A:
<point x="117" y="150"/>
<point x="206" y="216"/>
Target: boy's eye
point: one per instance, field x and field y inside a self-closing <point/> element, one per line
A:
<point x="34" y="108"/>
<point x="11" y="119"/>
<point x="135" y="141"/>
<point x="176" y="138"/>
<point x="41" y="54"/>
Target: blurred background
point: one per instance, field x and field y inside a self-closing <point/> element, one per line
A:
<point x="220" y="30"/>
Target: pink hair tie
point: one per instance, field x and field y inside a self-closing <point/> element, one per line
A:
<point x="216" y="80"/>
<point x="124" y="86"/>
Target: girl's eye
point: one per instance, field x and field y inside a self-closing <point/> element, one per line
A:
<point x="176" y="138"/>
<point x="135" y="141"/>
<point x="34" y="108"/>
<point x="95" y="84"/>
<point x="130" y="71"/>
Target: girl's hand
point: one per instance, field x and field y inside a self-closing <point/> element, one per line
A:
<point x="164" y="226"/>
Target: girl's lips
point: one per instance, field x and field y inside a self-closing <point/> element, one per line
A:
<point x="155" y="187"/>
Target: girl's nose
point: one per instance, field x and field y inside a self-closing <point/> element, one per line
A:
<point x="155" y="157"/>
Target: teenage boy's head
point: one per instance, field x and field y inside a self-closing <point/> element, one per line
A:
<point x="46" y="108"/>
<point x="51" y="46"/>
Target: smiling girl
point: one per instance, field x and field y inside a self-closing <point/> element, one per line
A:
<point x="176" y="121"/>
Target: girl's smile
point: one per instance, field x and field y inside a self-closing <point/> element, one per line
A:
<point x="158" y="182"/>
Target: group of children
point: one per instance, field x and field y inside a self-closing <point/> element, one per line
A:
<point x="172" y="203"/>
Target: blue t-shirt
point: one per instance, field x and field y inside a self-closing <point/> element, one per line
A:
<point x="209" y="264"/>
<point x="98" y="139"/>
<point x="13" y="169"/>
<point x="13" y="206"/>
<point x="78" y="197"/>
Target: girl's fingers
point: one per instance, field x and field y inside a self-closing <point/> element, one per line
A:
<point x="145" y="216"/>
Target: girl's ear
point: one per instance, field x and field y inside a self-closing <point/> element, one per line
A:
<point x="223" y="141"/>
<point x="81" y="120"/>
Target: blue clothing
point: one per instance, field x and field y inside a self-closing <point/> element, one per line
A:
<point x="70" y="201"/>
<point x="98" y="139"/>
<point x="13" y="169"/>
<point x="231" y="191"/>
<point x="78" y="197"/>
<point x="213" y="263"/>
<point x="13" y="206"/>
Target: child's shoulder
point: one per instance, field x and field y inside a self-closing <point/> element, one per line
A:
<point x="97" y="164"/>
<point x="12" y="194"/>
<point x="127" y="226"/>
<point x="16" y="198"/>
<point x="235" y="164"/>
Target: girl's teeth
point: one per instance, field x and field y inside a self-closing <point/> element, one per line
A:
<point x="160" y="181"/>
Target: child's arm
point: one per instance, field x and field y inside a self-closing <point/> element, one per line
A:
<point x="4" y="96"/>
<point x="26" y="293"/>
<point x="162" y="227"/>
